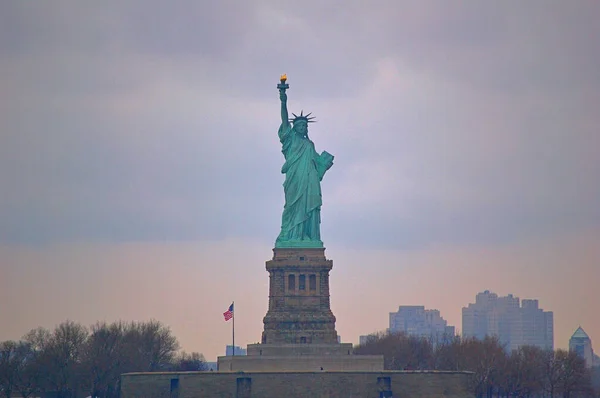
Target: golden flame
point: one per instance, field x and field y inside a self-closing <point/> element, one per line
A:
<point x="283" y="77"/>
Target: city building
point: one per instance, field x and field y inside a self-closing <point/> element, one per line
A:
<point x="581" y="344"/>
<point x="537" y="325"/>
<point x="238" y="350"/>
<point x="364" y="339"/>
<point x="514" y="323"/>
<point x="415" y="320"/>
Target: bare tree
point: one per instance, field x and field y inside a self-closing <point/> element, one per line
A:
<point x="574" y="376"/>
<point x="39" y="362"/>
<point x="63" y="354"/>
<point x="450" y="355"/>
<point x="69" y="360"/>
<point x="508" y="378"/>
<point x="28" y="370"/>
<point x="400" y="351"/>
<point x="595" y="381"/>
<point x="528" y="372"/>
<point x="185" y="362"/>
<point x="103" y="358"/>
<point x="485" y="358"/>
<point x="149" y="347"/>
<point x="520" y="373"/>
<point x="551" y="367"/>
<point x="8" y="367"/>
<point x="532" y="359"/>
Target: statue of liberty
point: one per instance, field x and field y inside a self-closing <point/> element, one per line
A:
<point x="304" y="169"/>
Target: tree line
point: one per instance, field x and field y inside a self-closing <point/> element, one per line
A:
<point x="73" y="360"/>
<point x="529" y="371"/>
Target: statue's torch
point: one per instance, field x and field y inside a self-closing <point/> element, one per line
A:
<point x="282" y="86"/>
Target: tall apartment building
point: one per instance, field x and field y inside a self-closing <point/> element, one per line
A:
<point x="514" y="323"/>
<point x="415" y="320"/>
<point x="537" y="325"/>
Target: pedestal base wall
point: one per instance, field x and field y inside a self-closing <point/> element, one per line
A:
<point x="322" y="384"/>
<point x="244" y="363"/>
<point x="299" y="349"/>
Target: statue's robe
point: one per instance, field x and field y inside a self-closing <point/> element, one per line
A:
<point x="304" y="168"/>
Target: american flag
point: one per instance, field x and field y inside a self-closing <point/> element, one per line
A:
<point x="229" y="313"/>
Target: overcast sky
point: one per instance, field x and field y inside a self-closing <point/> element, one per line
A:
<point x="140" y="164"/>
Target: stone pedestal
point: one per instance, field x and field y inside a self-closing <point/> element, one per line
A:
<point x="299" y="328"/>
<point x="299" y="311"/>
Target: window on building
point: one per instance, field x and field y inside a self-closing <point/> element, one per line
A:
<point x="302" y="282"/>
<point x="312" y="282"/>
<point x="303" y="340"/>
<point x="291" y="282"/>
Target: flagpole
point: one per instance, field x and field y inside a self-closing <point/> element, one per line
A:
<point x="233" y="328"/>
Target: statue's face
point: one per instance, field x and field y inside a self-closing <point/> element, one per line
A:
<point x="301" y="128"/>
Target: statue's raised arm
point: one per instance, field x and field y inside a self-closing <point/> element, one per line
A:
<point x="285" y="120"/>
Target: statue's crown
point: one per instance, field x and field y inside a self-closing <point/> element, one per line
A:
<point x="302" y="118"/>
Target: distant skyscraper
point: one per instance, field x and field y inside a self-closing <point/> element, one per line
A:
<point x="537" y="325"/>
<point x="581" y="344"/>
<point x="505" y="318"/>
<point x="415" y="320"/>
<point x="238" y="350"/>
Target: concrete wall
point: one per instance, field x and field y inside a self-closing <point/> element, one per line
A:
<point x="309" y="363"/>
<point x="425" y="384"/>
<point x="299" y="349"/>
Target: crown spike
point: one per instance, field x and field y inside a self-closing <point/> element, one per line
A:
<point x="302" y="117"/>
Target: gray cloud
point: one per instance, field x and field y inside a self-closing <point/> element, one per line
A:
<point x="147" y="121"/>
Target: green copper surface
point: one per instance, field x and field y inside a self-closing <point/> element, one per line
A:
<point x="304" y="169"/>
